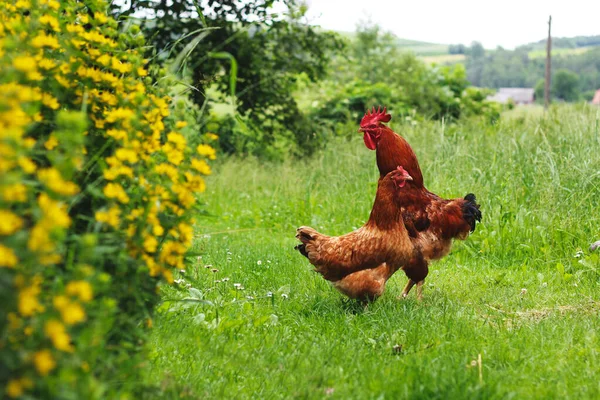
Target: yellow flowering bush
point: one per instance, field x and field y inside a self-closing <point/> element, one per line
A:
<point x="98" y="176"/>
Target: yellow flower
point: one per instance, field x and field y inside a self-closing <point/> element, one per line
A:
<point x="25" y="64"/>
<point x="150" y="244"/>
<point x="53" y="4"/>
<point x="28" y="301"/>
<point x="119" y="114"/>
<point x="43" y="40"/>
<point x="120" y="66"/>
<point x="28" y="166"/>
<point x="50" y="102"/>
<point x="44" y="362"/>
<point x="55" y="182"/>
<point x="14" y="388"/>
<point x="110" y="217"/>
<point x="48" y="259"/>
<point x="116" y="191"/>
<point x="46" y="64"/>
<point x="142" y="72"/>
<point x="201" y="166"/>
<point x="14" y="322"/>
<point x="186" y="233"/>
<point x="9" y="223"/>
<point x="100" y="17"/>
<point x="158" y="230"/>
<point x="206" y="150"/>
<point x="29" y="142"/>
<point x="55" y="212"/>
<point x="50" y="20"/>
<point x="126" y="155"/>
<point x="60" y="302"/>
<point x="180" y="124"/>
<point x="56" y="331"/>
<point x="16" y="193"/>
<point x="174" y="155"/>
<point x="72" y="313"/>
<point x="51" y="143"/>
<point x="117" y="134"/>
<point x="39" y="240"/>
<point x="211" y="136"/>
<point x="177" y="139"/>
<point x="82" y="289"/>
<point x="8" y="258"/>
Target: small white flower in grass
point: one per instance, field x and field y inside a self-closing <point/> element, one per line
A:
<point x="179" y="281"/>
<point x="269" y="294"/>
<point x="225" y="279"/>
<point x="250" y="297"/>
<point x="284" y="296"/>
<point x="218" y="281"/>
<point x="199" y="258"/>
<point x="207" y="266"/>
<point x="214" y="270"/>
<point x="259" y="262"/>
<point x="329" y="391"/>
<point x="182" y="271"/>
<point x="575" y="284"/>
<point x="523" y="292"/>
<point x="237" y="285"/>
<point x="544" y="284"/>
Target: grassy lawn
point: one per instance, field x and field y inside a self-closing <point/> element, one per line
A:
<point x="522" y="291"/>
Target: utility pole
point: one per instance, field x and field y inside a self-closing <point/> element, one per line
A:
<point x="548" y="66"/>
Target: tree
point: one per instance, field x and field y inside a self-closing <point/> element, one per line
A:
<point x="476" y="50"/>
<point x="271" y="49"/>
<point x="539" y="90"/>
<point x="565" y="85"/>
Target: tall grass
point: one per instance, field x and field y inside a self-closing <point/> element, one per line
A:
<point x="522" y="291"/>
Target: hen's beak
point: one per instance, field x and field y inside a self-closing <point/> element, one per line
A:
<point x="408" y="177"/>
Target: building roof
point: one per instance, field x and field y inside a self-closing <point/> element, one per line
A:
<point x="518" y="95"/>
<point x="596" y="99"/>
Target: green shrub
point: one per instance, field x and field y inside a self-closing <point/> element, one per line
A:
<point x="96" y="199"/>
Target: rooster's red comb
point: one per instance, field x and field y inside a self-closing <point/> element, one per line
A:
<point x="373" y="117"/>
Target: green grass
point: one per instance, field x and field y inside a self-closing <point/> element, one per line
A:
<point x="522" y="291"/>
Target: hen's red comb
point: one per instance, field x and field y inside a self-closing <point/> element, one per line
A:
<point x="373" y="117"/>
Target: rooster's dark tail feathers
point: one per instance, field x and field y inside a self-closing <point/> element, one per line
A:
<point x="471" y="212"/>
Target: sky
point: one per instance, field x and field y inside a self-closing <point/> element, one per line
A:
<point x="506" y="23"/>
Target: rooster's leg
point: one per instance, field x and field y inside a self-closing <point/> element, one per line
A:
<point x="420" y="290"/>
<point x="407" y="288"/>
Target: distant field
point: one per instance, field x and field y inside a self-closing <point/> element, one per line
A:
<point x="560" y="52"/>
<point x="417" y="47"/>
<point x="423" y="48"/>
<point x="444" y="59"/>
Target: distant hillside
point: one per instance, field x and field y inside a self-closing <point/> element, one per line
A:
<point x="565" y="43"/>
<point x="423" y="48"/>
<point x="417" y="47"/>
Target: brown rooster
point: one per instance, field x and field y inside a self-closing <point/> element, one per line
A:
<point x="431" y="222"/>
<point x="360" y="262"/>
